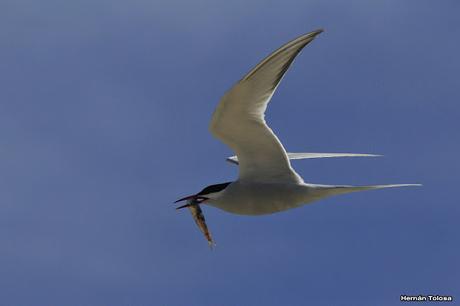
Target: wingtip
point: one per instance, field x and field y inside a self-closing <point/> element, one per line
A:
<point x="401" y="185"/>
<point x="316" y="32"/>
<point x="319" y="31"/>
<point x="374" y="155"/>
<point x="311" y="35"/>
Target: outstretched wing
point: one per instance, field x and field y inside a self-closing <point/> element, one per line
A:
<point x="239" y="122"/>
<point x="291" y="156"/>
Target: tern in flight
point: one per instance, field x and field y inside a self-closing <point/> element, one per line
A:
<point x="267" y="183"/>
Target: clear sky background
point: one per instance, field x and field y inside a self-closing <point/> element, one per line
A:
<point x="104" y="112"/>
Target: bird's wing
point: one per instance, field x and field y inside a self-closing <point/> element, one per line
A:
<point x="234" y="159"/>
<point x="239" y="122"/>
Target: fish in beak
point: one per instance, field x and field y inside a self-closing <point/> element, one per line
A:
<point x="193" y="204"/>
<point x="191" y="200"/>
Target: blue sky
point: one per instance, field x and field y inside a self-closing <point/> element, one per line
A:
<point x="104" y="109"/>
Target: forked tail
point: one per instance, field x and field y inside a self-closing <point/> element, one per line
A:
<point x="328" y="190"/>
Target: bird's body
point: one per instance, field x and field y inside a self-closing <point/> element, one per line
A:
<point x="261" y="198"/>
<point x="267" y="183"/>
<point x="258" y="198"/>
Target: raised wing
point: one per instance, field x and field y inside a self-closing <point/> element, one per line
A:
<point x="239" y="122"/>
<point x="291" y="156"/>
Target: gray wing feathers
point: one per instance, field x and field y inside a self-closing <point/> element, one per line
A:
<point x="239" y="122"/>
<point x="291" y="156"/>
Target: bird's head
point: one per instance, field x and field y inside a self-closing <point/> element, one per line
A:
<point x="209" y="193"/>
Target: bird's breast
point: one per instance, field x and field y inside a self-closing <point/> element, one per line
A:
<point x="255" y="198"/>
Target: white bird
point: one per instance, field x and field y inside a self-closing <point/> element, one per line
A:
<point x="267" y="183"/>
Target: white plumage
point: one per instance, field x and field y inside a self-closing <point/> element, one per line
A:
<point x="267" y="183"/>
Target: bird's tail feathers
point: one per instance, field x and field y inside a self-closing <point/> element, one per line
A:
<point x="341" y="189"/>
